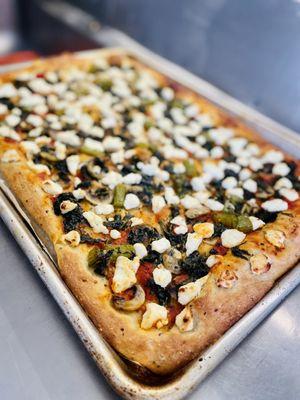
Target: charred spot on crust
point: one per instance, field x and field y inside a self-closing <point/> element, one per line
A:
<point x="195" y="265"/>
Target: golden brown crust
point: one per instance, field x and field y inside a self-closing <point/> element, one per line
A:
<point x="162" y="351"/>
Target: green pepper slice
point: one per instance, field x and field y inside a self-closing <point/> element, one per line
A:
<point x="119" y="195"/>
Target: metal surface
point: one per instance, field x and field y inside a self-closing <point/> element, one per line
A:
<point x="106" y="360"/>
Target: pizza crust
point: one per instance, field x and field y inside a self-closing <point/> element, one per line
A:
<point x="162" y="351"/>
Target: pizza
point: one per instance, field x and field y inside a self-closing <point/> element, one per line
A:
<point x="169" y="218"/>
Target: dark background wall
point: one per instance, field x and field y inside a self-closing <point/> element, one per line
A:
<point x="249" y="48"/>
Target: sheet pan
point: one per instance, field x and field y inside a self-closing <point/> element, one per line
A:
<point x="125" y="378"/>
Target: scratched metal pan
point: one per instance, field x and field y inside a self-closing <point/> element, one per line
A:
<point x="128" y="379"/>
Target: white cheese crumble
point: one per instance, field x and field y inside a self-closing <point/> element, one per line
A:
<point x="112" y="179"/>
<point x="289" y="194"/>
<point x="132" y="179"/>
<point x="162" y="276"/>
<point x="34" y="120"/>
<point x="213" y="259"/>
<point x="52" y="188"/>
<point x="245" y="174"/>
<point x="259" y="264"/>
<point x="214" y="205"/>
<point x="256" y="223"/>
<point x="161" y="245"/>
<point x="10" y="156"/>
<point x="184" y="320"/>
<point x="3" y="109"/>
<point x="93" y="145"/>
<point x="273" y="157"/>
<point x="197" y="184"/>
<point x="124" y="275"/>
<point x="104" y="209"/>
<point x="5" y="131"/>
<point x="189" y="202"/>
<point x="239" y="192"/>
<point x="140" y="250"/>
<point x="112" y="143"/>
<point x="115" y="234"/>
<point x="131" y="201"/>
<point x="204" y="229"/>
<point x="250" y="185"/>
<point x="96" y="222"/>
<point x="73" y="164"/>
<point x="170" y="196"/>
<point x="67" y="206"/>
<point x="190" y="291"/>
<point x="12" y="120"/>
<point x="30" y="147"/>
<point x="192" y="243"/>
<point x="72" y="238"/>
<point x="39" y="168"/>
<point x="232" y="237"/>
<point x="283" y="183"/>
<point x="158" y="203"/>
<point x="60" y="150"/>
<point x="68" y="137"/>
<point x="155" y="315"/>
<point x="229" y="182"/>
<point x="136" y="221"/>
<point x="79" y="194"/>
<point x="8" y="90"/>
<point x="281" y="169"/>
<point x="217" y="152"/>
<point x="275" y="237"/>
<point x="275" y="205"/>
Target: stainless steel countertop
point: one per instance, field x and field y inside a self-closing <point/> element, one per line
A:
<point x="40" y="355"/>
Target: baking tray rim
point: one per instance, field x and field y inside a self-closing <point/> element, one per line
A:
<point x="105" y="357"/>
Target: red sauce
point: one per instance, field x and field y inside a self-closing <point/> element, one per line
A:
<point x="144" y="273"/>
<point x="220" y="249"/>
<point x="179" y="279"/>
<point x="9" y="140"/>
<point x="122" y="239"/>
<point x="174" y="310"/>
<point x="42" y="175"/>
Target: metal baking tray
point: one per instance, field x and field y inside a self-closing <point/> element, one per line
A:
<point x="126" y="378"/>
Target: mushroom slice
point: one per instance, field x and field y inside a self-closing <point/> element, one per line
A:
<point x="171" y="260"/>
<point x="227" y="279"/>
<point x="130" y="305"/>
<point x="94" y="169"/>
<point x="99" y="194"/>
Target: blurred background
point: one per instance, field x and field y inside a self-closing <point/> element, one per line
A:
<point x="250" y="49"/>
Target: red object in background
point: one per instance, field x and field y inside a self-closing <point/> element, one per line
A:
<point x="19" y="56"/>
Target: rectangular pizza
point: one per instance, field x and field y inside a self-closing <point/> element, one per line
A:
<point x="169" y="219"/>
